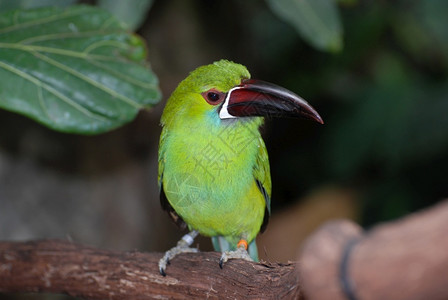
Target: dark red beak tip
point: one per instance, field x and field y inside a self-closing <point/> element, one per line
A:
<point x="318" y="119"/>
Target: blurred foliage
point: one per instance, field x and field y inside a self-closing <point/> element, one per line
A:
<point x="27" y="4"/>
<point x="317" y="21"/>
<point x="131" y="12"/>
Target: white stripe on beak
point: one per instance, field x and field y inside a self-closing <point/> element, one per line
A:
<point x="224" y="112"/>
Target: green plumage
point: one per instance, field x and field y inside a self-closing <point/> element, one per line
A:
<point x="214" y="172"/>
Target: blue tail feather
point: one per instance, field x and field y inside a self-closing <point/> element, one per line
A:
<point x="220" y="244"/>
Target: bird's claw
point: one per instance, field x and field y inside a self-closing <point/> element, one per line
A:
<point x="170" y="254"/>
<point x="181" y="247"/>
<point x="240" y="253"/>
<point x="162" y="271"/>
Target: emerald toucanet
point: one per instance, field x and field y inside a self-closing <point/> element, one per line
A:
<point x="214" y="173"/>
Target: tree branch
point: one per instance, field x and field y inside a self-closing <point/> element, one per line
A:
<point x="404" y="259"/>
<point x="58" y="266"/>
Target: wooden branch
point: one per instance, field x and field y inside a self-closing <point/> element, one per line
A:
<point x="57" y="266"/>
<point x="405" y="259"/>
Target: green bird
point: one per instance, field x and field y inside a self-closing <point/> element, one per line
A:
<point x="214" y="172"/>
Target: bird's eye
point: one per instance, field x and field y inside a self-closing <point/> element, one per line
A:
<point x="213" y="96"/>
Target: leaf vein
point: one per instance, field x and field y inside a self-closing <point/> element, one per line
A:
<point x="57" y="17"/>
<point x="51" y="90"/>
<point x="140" y="83"/>
<point x="64" y="35"/>
<point x="99" y="44"/>
<point x="33" y="48"/>
<point x="89" y="80"/>
<point x="42" y="102"/>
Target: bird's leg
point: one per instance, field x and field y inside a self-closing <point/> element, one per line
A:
<point x="240" y="252"/>
<point x="183" y="246"/>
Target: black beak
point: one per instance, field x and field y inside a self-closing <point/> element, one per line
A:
<point x="259" y="98"/>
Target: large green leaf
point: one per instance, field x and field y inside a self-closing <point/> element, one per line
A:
<point x="74" y="70"/>
<point x="317" y="21"/>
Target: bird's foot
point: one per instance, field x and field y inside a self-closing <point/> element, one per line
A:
<point x="240" y="252"/>
<point x="183" y="246"/>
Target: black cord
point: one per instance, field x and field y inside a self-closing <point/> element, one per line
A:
<point x="347" y="284"/>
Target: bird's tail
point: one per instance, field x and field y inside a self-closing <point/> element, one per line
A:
<point x="221" y="244"/>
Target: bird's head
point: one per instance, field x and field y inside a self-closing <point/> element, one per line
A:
<point x="223" y="90"/>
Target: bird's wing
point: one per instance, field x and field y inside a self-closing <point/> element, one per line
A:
<point x="262" y="177"/>
<point x="161" y="157"/>
<point x="163" y="199"/>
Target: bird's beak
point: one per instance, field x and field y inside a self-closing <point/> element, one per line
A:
<point x="258" y="98"/>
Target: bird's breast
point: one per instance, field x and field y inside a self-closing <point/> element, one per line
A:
<point x="208" y="177"/>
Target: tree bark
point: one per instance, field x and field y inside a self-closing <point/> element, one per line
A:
<point x="405" y="259"/>
<point x="58" y="266"/>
